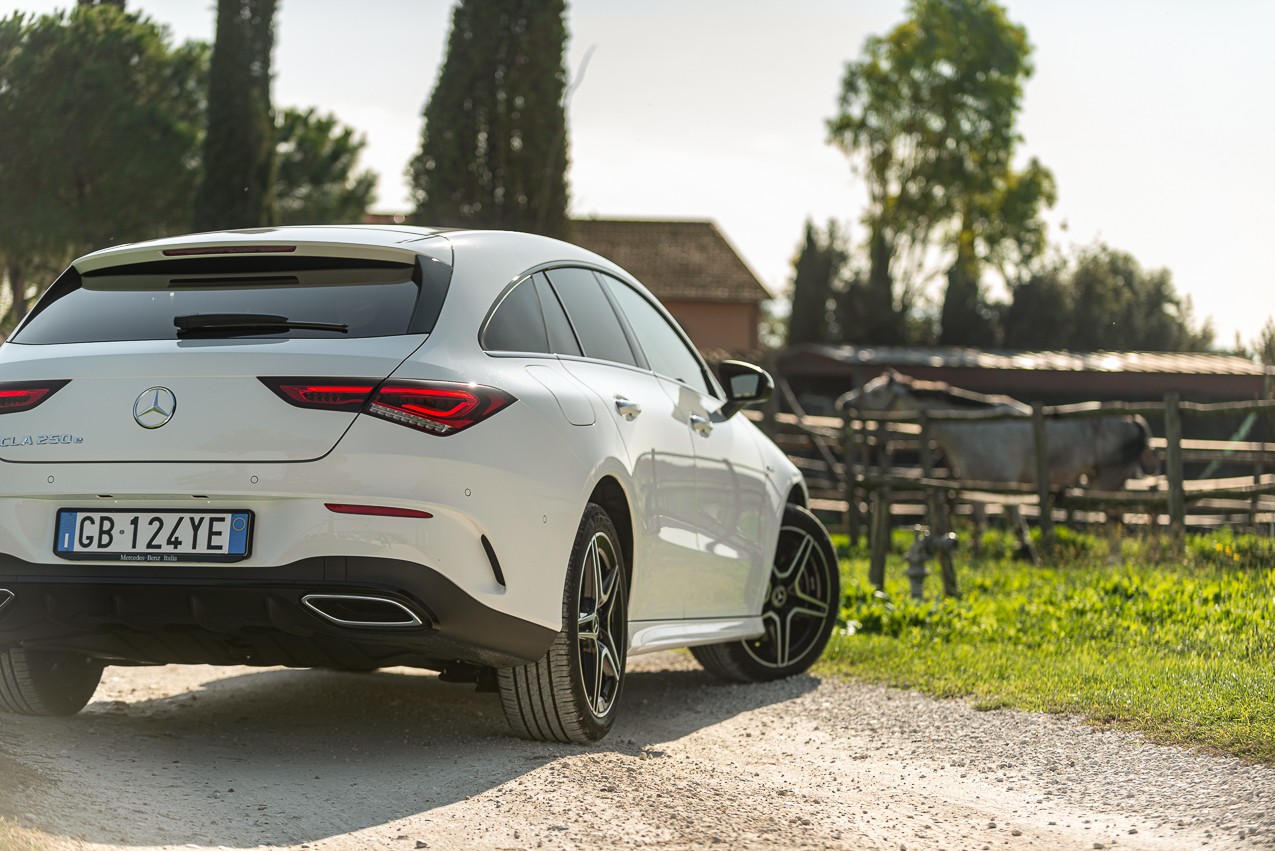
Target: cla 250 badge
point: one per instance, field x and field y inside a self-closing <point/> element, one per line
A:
<point x="39" y="440"/>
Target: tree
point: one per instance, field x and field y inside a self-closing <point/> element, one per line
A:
<point x="99" y="129"/>
<point x="494" y="144"/>
<point x="1103" y="299"/>
<point x="967" y="319"/>
<point x="1039" y="313"/>
<point x="1264" y="345"/>
<point x="239" y="147"/>
<point x="317" y="181"/>
<point x="927" y="117"/>
<point x="816" y="271"/>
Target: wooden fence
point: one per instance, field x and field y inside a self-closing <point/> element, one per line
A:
<point x="874" y="467"/>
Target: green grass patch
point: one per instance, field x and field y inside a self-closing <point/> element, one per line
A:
<point x="1117" y="633"/>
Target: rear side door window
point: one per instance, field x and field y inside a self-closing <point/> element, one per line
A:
<point x="666" y="351"/>
<point x="597" y="327"/>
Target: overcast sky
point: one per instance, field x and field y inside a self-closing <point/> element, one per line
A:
<point x="1155" y="116"/>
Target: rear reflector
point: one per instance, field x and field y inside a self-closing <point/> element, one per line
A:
<point x="435" y="407"/>
<point x="229" y="249"/>
<point x="375" y="510"/>
<point x="25" y="395"/>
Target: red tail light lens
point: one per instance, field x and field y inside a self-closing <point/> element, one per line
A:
<point x="437" y="407"/>
<point x="328" y="394"/>
<point x="25" y="395"/>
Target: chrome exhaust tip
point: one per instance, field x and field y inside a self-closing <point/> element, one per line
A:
<point x="361" y="611"/>
<point x="5" y="596"/>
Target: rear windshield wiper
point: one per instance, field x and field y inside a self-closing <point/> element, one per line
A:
<point x="230" y="324"/>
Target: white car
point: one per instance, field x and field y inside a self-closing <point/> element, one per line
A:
<point x="489" y="454"/>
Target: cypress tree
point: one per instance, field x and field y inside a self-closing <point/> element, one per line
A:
<point x="493" y="148"/>
<point x="239" y="146"/>
<point x="815" y="274"/>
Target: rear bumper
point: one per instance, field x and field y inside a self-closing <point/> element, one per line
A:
<point x="216" y="615"/>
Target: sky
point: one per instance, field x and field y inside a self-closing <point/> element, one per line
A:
<point x="1155" y="116"/>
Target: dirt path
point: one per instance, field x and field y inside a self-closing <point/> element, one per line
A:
<point x="239" y="758"/>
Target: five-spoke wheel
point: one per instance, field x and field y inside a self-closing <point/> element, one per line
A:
<point x="572" y="693"/>
<point x="798" y="613"/>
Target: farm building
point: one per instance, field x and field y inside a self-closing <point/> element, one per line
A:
<point x="818" y="374"/>
<point x="693" y="270"/>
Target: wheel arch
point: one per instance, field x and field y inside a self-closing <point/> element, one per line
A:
<point x="610" y="496"/>
<point x="797" y="495"/>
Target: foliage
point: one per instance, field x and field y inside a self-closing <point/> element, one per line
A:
<point x="1182" y="651"/>
<point x="494" y="145"/>
<point x="816" y="271"/>
<point x="317" y="181"/>
<point x="1103" y="299"/>
<point x="1264" y="345"/>
<point x="99" y="127"/>
<point x="238" y="155"/>
<point x="927" y="116"/>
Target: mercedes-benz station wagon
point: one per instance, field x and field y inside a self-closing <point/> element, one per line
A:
<point x="489" y="454"/>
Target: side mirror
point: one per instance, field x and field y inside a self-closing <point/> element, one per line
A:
<point x="745" y="385"/>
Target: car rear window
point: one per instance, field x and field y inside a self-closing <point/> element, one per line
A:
<point x="140" y="302"/>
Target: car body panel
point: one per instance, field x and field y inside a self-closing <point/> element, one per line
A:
<point x="505" y="496"/>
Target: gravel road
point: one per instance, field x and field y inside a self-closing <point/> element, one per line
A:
<point x="242" y="758"/>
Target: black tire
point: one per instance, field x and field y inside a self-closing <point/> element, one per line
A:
<point x="46" y="682"/>
<point x="572" y="694"/>
<point x="801" y="608"/>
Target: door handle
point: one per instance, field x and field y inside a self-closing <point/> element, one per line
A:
<point x="703" y="425"/>
<point x="627" y="408"/>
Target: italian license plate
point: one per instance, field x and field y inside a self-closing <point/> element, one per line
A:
<point x="153" y="536"/>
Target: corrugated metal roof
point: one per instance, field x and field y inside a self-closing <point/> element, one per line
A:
<point x="689" y="260"/>
<point x="1176" y="363"/>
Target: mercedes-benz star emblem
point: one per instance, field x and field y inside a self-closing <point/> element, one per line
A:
<point x="155" y="407"/>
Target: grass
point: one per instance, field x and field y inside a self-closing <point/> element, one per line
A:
<point x="1124" y="635"/>
<point x="14" y="837"/>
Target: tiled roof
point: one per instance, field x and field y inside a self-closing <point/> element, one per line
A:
<point x="1177" y="363"/>
<point x="688" y="260"/>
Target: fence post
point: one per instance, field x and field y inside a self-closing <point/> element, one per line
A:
<point x="1174" y="468"/>
<point x="850" y="452"/>
<point x="879" y="538"/>
<point x="937" y="509"/>
<point x="1259" y="467"/>
<point x="879" y="534"/>
<point x="1043" y="494"/>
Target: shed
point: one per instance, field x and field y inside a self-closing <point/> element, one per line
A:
<point x="820" y="373"/>
<point x="693" y="270"/>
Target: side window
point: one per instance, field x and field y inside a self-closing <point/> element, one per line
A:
<point x="517" y="324"/>
<point x="562" y="340"/>
<point x="663" y="346"/>
<point x="598" y="328"/>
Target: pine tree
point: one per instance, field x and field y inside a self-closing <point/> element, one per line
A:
<point x="239" y="146"/>
<point x="815" y="274"/>
<point x="494" y="146"/>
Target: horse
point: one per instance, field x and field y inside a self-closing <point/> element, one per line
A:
<point x="1097" y="452"/>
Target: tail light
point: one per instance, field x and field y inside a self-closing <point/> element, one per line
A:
<point x="436" y="407"/>
<point x="328" y="394"/>
<point x="25" y="395"/>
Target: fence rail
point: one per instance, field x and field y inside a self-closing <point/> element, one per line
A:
<point x="852" y="468"/>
